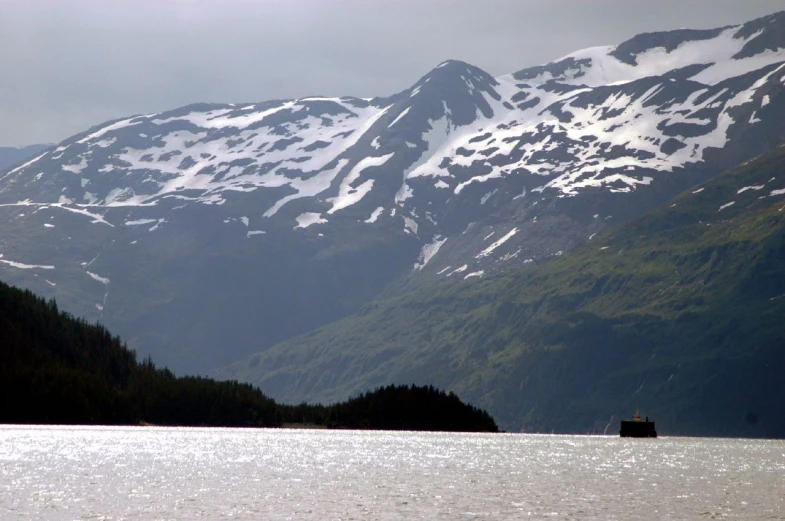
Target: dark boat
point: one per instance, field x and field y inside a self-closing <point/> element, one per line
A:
<point x="637" y="428"/>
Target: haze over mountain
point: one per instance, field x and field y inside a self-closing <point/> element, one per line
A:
<point x="210" y="232"/>
<point x="72" y="65"/>
<point x="10" y="156"/>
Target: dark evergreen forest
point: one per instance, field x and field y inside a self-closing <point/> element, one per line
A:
<point x="58" y="369"/>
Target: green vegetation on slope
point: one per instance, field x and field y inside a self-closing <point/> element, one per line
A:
<point x="60" y="370"/>
<point x="681" y="313"/>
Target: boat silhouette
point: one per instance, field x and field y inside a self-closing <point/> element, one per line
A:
<point x="637" y="427"/>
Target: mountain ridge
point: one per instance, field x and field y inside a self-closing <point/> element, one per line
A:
<point x="208" y="232"/>
<point x="10" y="156"/>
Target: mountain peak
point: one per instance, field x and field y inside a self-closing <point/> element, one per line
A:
<point x="724" y="52"/>
<point x="764" y="34"/>
<point x="456" y="88"/>
<point x="450" y="70"/>
<point x="628" y="51"/>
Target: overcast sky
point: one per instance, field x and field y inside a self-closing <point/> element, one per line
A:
<point x="70" y="64"/>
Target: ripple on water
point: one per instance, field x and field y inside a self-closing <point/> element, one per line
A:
<point x="148" y="473"/>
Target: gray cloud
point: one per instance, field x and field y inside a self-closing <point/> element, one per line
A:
<point x="70" y="65"/>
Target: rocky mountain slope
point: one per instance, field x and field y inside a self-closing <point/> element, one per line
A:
<point x="209" y="232"/>
<point x="680" y="313"/>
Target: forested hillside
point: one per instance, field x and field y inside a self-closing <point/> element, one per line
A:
<point x="57" y="369"/>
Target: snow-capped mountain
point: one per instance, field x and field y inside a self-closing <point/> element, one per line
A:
<point x="217" y="230"/>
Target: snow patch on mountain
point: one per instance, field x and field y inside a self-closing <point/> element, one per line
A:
<point x="434" y="137"/>
<point x="96" y="277"/>
<point x="22" y="265"/>
<point x="428" y="251"/>
<point x="375" y="215"/>
<point x="410" y="225"/>
<point x="513" y="255"/>
<point x="308" y="187"/>
<point x="348" y="194"/>
<point x="460" y="269"/>
<point x="487" y="196"/>
<point x="77" y="168"/>
<point x="596" y="66"/>
<point x="306" y="219"/>
<point x="487" y="251"/>
<point x="108" y="128"/>
<point x="140" y="222"/>
<point x="400" y="116"/>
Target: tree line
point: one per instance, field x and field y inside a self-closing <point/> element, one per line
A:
<point x="59" y="369"/>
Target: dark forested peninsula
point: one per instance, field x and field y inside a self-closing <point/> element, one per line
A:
<point x="57" y="369"/>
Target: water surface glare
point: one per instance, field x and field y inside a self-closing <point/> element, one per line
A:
<point x="152" y="473"/>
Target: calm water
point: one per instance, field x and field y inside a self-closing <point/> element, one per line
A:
<point x="146" y="473"/>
